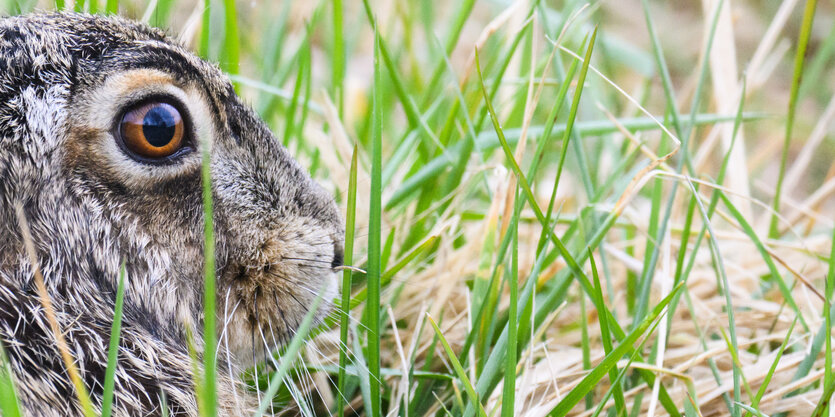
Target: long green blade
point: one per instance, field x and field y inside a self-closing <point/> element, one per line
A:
<point x="208" y="396"/>
<point x="590" y="381"/>
<point x="459" y="370"/>
<point x="113" y="350"/>
<point x="345" y="311"/>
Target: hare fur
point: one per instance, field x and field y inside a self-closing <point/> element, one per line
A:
<point x="65" y="80"/>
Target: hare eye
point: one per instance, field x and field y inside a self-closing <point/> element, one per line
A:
<point x="152" y="130"/>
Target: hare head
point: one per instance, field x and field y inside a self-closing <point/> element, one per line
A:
<point x="103" y="124"/>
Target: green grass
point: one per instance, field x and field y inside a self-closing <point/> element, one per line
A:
<point x="374" y="268"/>
<point x="9" y="404"/>
<point x="799" y="62"/>
<point x="542" y="236"/>
<point x="207" y="397"/>
<point x="113" y="349"/>
<point x="345" y="306"/>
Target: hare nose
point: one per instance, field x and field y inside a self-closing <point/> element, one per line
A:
<point x="338" y="255"/>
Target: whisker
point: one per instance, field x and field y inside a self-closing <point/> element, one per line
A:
<point x="257" y="382"/>
<point x="293" y="296"/>
<point x="276" y="345"/>
<point x="316" y="252"/>
<point x="350" y="268"/>
<point x="358" y="322"/>
<point x="331" y="362"/>
<point x="287" y="327"/>
<point x="304" y="392"/>
<point x="224" y="336"/>
<point x="275" y="363"/>
<point x="228" y="318"/>
<point x="306" y="381"/>
<point x="320" y="244"/>
<point x="294" y="392"/>
<point x="283" y="258"/>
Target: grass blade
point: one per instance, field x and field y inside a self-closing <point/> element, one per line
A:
<point x="658" y="54"/>
<point x="231" y="50"/>
<point x="464" y="9"/>
<point x="775" y="274"/>
<point x="799" y="59"/>
<point x="828" y="383"/>
<point x="620" y="403"/>
<point x="9" y="404"/>
<point x="162" y="13"/>
<point x="208" y="396"/>
<point x="348" y="259"/>
<point x="459" y="370"/>
<point x="113" y="350"/>
<point x="590" y="381"/>
<point x="750" y="409"/>
<point x="767" y="379"/>
<point x="290" y="115"/>
<point x="205" y="29"/>
<point x="338" y="59"/>
<point x="509" y="394"/>
<point x="372" y="312"/>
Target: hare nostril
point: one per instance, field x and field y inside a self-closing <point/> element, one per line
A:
<point x="338" y="255"/>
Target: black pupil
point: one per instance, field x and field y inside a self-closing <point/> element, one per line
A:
<point x="159" y="125"/>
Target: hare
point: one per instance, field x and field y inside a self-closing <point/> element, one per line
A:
<point x="103" y="122"/>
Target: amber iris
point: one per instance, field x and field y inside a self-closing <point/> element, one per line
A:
<point x="152" y="130"/>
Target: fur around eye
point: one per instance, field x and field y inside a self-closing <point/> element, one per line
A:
<point x="152" y="130"/>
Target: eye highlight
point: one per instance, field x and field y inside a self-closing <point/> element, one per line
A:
<point x="152" y="130"/>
